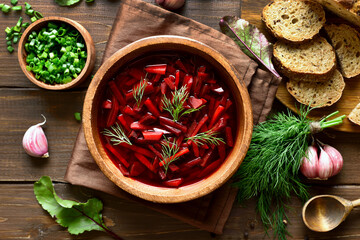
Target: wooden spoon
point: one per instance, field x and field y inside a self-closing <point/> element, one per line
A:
<point x="325" y="212"/>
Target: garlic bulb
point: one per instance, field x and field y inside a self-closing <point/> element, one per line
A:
<point x="34" y="141"/>
<point x="327" y="164"/>
<point x="170" y="4"/>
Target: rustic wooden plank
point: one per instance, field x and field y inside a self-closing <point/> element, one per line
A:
<point x="22" y="108"/>
<point x="98" y="18"/>
<point x="244" y="221"/>
<point x="21" y="217"/>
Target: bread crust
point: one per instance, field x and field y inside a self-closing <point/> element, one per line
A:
<point x="347" y="9"/>
<point x="347" y="49"/>
<point x="354" y="115"/>
<point x="315" y="8"/>
<point x="295" y="74"/>
<point x="318" y="94"/>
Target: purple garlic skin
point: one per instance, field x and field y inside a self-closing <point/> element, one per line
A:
<point x="34" y="141"/>
<point x="310" y="163"/>
<point x="335" y="157"/>
<point x="325" y="166"/>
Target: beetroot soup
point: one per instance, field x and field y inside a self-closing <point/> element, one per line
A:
<point x="167" y="120"/>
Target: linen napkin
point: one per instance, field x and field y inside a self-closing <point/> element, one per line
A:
<point x="135" y="20"/>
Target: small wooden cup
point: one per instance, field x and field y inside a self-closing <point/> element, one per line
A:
<point x="90" y="49"/>
<point x="227" y="74"/>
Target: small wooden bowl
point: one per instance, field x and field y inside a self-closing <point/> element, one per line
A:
<point x="90" y="49"/>
<point x="227" y="74"/>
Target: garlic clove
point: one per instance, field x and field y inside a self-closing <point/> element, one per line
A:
<point x="34" y="141"/>
<point x="335" y="157"/>
<point x="325" y="165"/>
<point x="309" y="163"/>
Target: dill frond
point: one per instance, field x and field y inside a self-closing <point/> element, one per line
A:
<point x="169" y="149"/>
<point x="138" y="91"/>
<point x="176" y="106"/>
<point x="206" y="137"/>
<point x="117" y="135"/>
<point x="270" y="168"/>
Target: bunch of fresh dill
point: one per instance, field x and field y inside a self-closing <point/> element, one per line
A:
<point x="270" y="168"/>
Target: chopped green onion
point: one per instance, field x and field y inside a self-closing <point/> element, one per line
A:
<point x="6" y="8"/>
<point x="14" y="2"/>
<point x="8" y="30"/>
<point x="77" y="116"/>
<point x="25" y="25"/>
<point x="38" y="15"/>
<point x="10" y="49"/>
<point x="9" y="43"/>
<point x="29" y="12"/>
<point x="33" y="19"/>
<point x="52" y="25"/>
<point x="27" y="6"/>
<point x="15" y="39"/>
<point x="55" y="59"/>
<point x="17" y="8"/>
<point x="18" y="24"/>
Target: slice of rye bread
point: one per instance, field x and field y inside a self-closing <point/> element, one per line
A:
<point x="317" y="94"/>
<point x="314" y="60"/>
<point x="294" y="20"/>
<point x="354" y="115"/>
<point x="346" y="41"/>
<point x="347" y="9"/>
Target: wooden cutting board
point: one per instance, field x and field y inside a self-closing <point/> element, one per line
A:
<point x="349" y="99"/>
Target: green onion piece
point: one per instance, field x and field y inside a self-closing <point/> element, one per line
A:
<point x="6" y="8"/>
<point x="77" y="116"/>
<point x="27" y="6"/>
<point x="38" y="15"/>
<point x="16" y="39"/>
<point x="8" y="30"/>
<point x="10" y="49"/>
<point x="29" y="12"/>
<point x="9" y="43"/>
<point x="25" y="25"/>
<point x="33" y="19"/>
<point x="14" y="2"/>
<point x="17" y="28"/>
<point x="17" y="8"/>
<point x="18" y="24"/>
<point x="52" y="25"/>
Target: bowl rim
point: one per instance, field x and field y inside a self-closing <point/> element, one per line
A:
<point x="155" y="193"/>
<point x="90" y="50"/>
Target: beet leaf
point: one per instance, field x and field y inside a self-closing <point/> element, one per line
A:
<point x="251" y="41"/>
<point x="77" y="217"/>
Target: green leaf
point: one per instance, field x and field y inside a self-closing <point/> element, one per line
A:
<point x="77" y="217"/>
<point x="251" y="41"/>
<point x="66" y="3"/>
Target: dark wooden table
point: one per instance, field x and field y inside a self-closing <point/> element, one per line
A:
<point x="21" y="104"/>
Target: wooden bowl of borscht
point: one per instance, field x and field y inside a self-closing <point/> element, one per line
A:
<point x="167" y="119"/>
